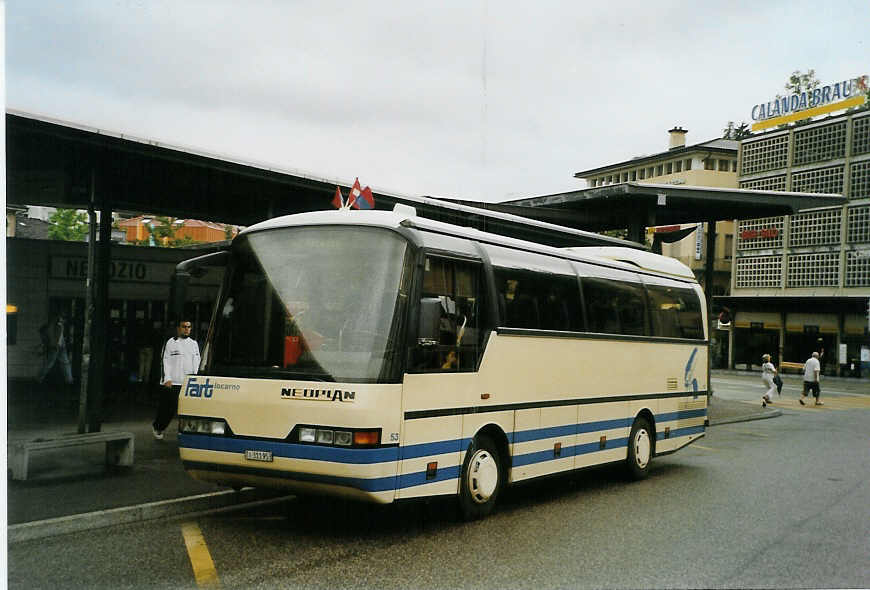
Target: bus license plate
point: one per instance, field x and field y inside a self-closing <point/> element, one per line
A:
<point x="258" y="455"/>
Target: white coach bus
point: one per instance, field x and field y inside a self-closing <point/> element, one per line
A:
<point x="382" y="356"/>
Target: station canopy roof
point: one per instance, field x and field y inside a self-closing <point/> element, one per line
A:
<point x="612" y="206"/>
<point x="57" y="163"/>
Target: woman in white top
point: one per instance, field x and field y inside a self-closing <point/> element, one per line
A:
<point x="767" y="373"/>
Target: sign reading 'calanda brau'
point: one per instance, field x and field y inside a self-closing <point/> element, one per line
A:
<point x="823" y="95"/>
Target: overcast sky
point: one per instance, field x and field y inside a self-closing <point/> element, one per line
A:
<point x="473" y="99"/>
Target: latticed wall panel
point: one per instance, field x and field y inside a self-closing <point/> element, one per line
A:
<point x="772" y="183"/>
<point x="815" y="228"/>
<point x="759" y="234"/>
<point x="858" y="230"/>
<point x="821" y="269"/>
<point x="857" y="269"/>
<point x="759" y="271"/>
<point x="823" y="180"/>
<point x="820" y="144"/>
<point x="859" y="180"/>
<point x="765" y="154"/>
<point x="861" y="136"/>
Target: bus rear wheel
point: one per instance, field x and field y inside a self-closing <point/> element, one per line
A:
<point x="481" y="479"/>
<point x="640" y="449"/>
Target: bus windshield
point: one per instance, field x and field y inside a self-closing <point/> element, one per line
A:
<point x="317" y="303"/>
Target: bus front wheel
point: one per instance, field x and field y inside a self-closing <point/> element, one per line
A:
<point x="481" y="479"/>
<point x="640" y="449"/>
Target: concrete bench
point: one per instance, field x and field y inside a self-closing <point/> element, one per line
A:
<point x="119" y="449"/>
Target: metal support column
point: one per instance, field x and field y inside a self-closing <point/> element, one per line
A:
<point x="89" y="310"/>
<point x="99" y="366"/>
<point x="708" y="291"/>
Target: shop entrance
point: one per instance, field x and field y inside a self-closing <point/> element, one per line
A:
<point x="751" y="343"/>
<point x="799" y="346"/>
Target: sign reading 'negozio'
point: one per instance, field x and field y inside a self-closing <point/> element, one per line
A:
<point x="70" y="267"/>
<point x="846" y="92"/>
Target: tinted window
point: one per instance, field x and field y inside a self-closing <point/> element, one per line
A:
<point x="676" y="312"/>
<point x="537" y="300"/>
<point x="614" y="307"/>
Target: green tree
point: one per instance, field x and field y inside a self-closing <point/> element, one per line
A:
<point x="737" y="132"/>
<point x="69" y="225"/>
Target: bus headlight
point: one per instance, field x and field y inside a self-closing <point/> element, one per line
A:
<point x="307" y="434"/>
<point x="202" y="426"/>
<point x="343" y="438"/>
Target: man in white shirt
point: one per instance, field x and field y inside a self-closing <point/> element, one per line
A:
<point x="812" y="371"/>
<point x="180" y="358"/>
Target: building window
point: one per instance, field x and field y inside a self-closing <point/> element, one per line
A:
<point x="709" y="164"/>
<point x="820" y="144"/>
<point x="688" y="164"/>
<point x="859" y="225"/>
<point x="816" y="228"/>
<point x="729" y="246"/>
<point x="859" y="179"/>
<point x="625" y="177"/>
<point x="860" y="136"/>
<point x="765" y="154"/>
<point x="659" y="169"/>
<point x="634" y="175"/>
<point x="642" y="173"/>
<point x="669" y="168"/>
<point x="723" y="165"/>
<point x="759" y="271"/>
<point x="733" y="165"/>
<point x="759" y="234"/>
<point x="821" y="269"/>
<point x="772" y="183"/>
<point x="824" y="180"/>
<point x="857" y="269"/>
<point x="650" y="172"/>
<point x="678" y="166"/>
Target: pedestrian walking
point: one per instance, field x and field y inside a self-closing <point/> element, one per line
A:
<point x="180" y="358"/>
<point x="55" y="350"/>
<point x="768" y="372"/>
<point x="812" y="373"/>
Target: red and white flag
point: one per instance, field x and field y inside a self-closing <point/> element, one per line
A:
<point x="337" y="200"/>
<point x="365" y="200"/>
<point x="355" y="191"/>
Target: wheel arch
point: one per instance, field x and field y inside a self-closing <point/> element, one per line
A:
<point x="497" y="435"/>
<point x="647" y="414"/>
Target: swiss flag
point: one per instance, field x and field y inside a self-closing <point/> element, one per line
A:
<point x="337" y="201"/>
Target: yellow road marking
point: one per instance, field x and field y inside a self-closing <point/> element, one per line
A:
<point x="203" y="566"/>
<point x="697" y="446"/>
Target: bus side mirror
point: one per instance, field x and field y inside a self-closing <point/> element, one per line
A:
<point x="428" y="328"/>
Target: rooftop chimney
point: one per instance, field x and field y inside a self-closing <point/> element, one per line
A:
<point x="678" y="138"/>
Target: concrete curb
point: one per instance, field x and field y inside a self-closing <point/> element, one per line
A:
<point x="748" y="418"/>
<point x="223" y="500"/>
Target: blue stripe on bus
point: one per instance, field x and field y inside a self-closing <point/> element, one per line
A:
<point x="567" y="451"/>
<point x="369" y="456"/>
<point x="434" y="448"/>
<point x="288" y="450"/>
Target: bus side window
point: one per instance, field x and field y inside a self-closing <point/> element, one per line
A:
<point x="452" y="341"/>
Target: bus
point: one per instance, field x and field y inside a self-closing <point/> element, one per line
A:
<point x="382" y="356"/>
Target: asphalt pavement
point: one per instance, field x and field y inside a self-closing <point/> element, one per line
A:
<point x="71" y="489"/>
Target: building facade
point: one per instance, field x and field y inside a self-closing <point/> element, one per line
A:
<point x="47" y="278"/>
<point x="801" y="283"/>
<point x="712" y="163"/>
